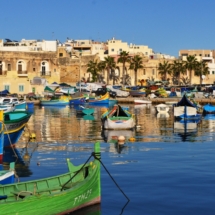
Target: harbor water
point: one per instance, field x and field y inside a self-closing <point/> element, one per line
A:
<point x="164" y="167"/>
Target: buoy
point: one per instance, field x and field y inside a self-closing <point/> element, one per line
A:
<point x="121" y="140"/>
<point x="32" y="136"/>
<point x="38" y="163"/>
<point x="131" y="139"/>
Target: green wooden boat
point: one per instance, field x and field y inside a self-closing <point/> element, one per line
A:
<point x="78" y="188"/>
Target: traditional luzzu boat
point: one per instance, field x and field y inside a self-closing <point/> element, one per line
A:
<point x="208" y="109"/>
<point x="100" y="100"/>
<point x="55" y="101"/>
<point x="14" y="124"/>
<point x="6" y="176"/>
<point x="185" y="109"/>
<point x="78" y="188"/>
<point x="117" y="119"/>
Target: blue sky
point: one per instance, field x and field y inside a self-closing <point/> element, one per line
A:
<point x="166" y="26"/>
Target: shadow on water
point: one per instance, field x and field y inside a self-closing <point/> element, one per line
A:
<point x="90" y="210"/>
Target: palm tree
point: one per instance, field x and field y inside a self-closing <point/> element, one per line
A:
<point x="164" y="69"/>
<point x="123" y="58"/>
<point x="109" y="65"/>
<point x="136" y="63"/>
<point x="201" y="69"/>
<point x="178" y="68"/>
<point x="190" y="65"/>
<point x="101" y="68"/>
<point x="92" y="67"/>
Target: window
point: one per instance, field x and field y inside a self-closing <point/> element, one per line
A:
<point x="153" y="71"/>
<point x="146" y="53"/>
<point x="9" y="67"/>
<point x="120" y="50"/>
<point x="60" y="54"/>
<point x="21" y="88"/>
<point x="200" y="55"/>
<point x="213" y="72"/>
<point x="113" y="41"/>
<point x="7" y="87"/>
<point x="112" y="50"/>
<point x="34" y="69"/>
<point x="54" y="70"/>
<point x="144" y="72"/>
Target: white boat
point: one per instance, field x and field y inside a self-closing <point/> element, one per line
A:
<point x="162" y="108"/>
<point x="7" y="102"/>
<point x="142" y="101"/>
<point x="119" y="93"/>
<point x="117" y="119"/>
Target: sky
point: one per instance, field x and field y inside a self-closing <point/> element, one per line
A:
<point x="166" y="26"/>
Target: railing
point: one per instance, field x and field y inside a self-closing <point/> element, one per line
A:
<point x="45" y="73"/>
<point x="3" y="72"/>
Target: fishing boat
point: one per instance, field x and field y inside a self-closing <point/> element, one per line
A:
<point x="7" y="176"/>
<point x="162" y="108"/>
<point x="14" y="124"/>
<point x="185" y="109"/>
<point x="12" y="102"/>
<point x="78" y="188"/>
<point x="55" y="100"/>
<point x="117" y="119"/>
<point x="208" y="109"/>
<point x="100" y="99"/>
<point x="85" y="110"/>
<point x="77" y="101"/>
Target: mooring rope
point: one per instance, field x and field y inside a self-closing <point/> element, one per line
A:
<point x="97" y="156"/>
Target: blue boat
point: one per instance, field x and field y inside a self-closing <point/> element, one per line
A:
<point x="77" y="101"/>
<point x="99" y="100"/>
<point x="15" y="123"/>
<point x="208" y="109"/>
<point x="7" y="176"/>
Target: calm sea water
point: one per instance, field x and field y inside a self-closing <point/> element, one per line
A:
<point x="164" y="167"/>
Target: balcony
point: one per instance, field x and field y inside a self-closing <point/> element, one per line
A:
<point x="45" y="73"/>
<point x="3" y="72"/>
<point x="22" y="73"/>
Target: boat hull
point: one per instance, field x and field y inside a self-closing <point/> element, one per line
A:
<point x="77" y="101"/>
<point x="15" y="123"/>
<point x="57" y="194"/>
<point x="54" y="103"/>
<point x="99" y="102"/>
<point x="119" y="123"/>
<point x="7" y="178"/>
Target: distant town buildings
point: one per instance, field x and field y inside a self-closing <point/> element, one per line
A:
<point x="27" y="65"/>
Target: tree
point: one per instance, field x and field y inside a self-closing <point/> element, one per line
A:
<point x="101" y="68"/>
<point x="190" y="65"/>
<point x="178" y="68"/>
<point x="123" y="58"/>
<point x="164" y="69"/>
<point x="109" y="65"/>
<point x="201" y="69"/>
<point x="92" y="67"/>
<point x="136" y="63"/>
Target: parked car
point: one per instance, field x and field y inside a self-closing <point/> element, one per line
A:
<point x="102" y="91"/>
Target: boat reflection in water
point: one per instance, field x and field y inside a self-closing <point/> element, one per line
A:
<point x="162" y="115"/>
<point x="186" y="129"/>
<point x="111" y="136"/>
<point x="14" y="155"/>
<point x="91" y="210"/>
